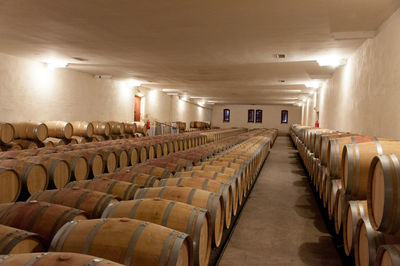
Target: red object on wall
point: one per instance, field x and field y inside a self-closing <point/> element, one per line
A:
<point x="137" y="109"/>
<point x="316" y="124"/>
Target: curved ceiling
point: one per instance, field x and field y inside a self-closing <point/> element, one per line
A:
<point x="220" y="50"/>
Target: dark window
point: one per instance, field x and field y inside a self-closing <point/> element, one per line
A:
<point x="284" y="116"/>
<point x="227" y="115"/>
<point x="250" y="118"/>
<point x="259" y="116"/>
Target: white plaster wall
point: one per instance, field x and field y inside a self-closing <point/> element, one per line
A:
<point x="30" y="91"/>
<point x="271" y="116"/>
<point x="161" y="107"/>
<point x="364" y="95"/>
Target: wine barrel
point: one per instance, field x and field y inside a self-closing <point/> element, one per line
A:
<point x="80" y="140"/>
<point x="71" y="141"/>
<point x="129" y="128"/>
<point x="173" y="167"/>
<point x="368" y="241"/>
<point x="335" y="185"/>
<point x="12" y="146"/>
<point x="58" y="170"/>
<point x="388" y="255"/>
<point x="31" y="130"/>
<point x="338" y="211"/>
<point x="93" y="202"/>
<point x="52" y="142"/>
<point x="110" y="160"/>
<point x="122" y="190"/>
<point x="60" y="129"/>
<point x="382" y="196"/>
<point x="182" y="217"/>
<point x="140" y="179"/>
<point x="54" y="259"/>
<point x="10" y="185"/>
<point x="220" y="178"/>
<point x="133" y="155"/>
<point x="335" y="150"/>
<point x="206" y="184"/>
<point x="141" y="128"/>
<point x="83" y="129"/>
<point x="7" y="132"/>
<point x="354" y="211"/>
<point x="94" y="159"/>
<point x="101" y="128"/>
<point x="41" y="218"/>
<point x="356" y="161"/>
<point x="148" y="169"/>
<point x="27" y="144"/>
<point x="116" y="128"/>
<point x="78" y="164"/>
<point x="33" y="176"/>
<point x="14" y="241"/>
<point x="127" y="241"/>
<point x="193" y="196"/>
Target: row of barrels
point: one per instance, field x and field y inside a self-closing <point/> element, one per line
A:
<point x="27" y="135"/>
<point x="27" y="171"/>
<point x="200" y="125"/>
<point x="357" y="183"/>
<point x="218" y="134"/>
<point x="172" y="224"/>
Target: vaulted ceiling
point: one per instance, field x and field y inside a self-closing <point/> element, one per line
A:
<point x="220" y="50"/>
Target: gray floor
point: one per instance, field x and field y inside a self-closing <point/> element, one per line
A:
<point x="281" y="223"/>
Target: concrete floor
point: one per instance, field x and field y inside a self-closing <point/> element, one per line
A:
<point x="281" y="223"/>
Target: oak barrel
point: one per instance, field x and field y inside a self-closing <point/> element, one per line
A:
<point x="193" y="196"/>
<point x="7" y="132"/>
<point x="206" y="184"/>
<point x="127" y="241"/>
<point x="31" y="130"/>
<point x="60" y="129"/>
<point x="14" y="241"/>
<point x="58" y="170"/>
<point x="92" y="202"/>
<point x="122" y="190"/>
<point x="33" y="176"/>
<point x="101" y="128"/>
<point x="41" y="218"/>
<point x="83" y="129"/>
<point x="356" y="161"/>
<point x="383" y="193"/>
<point x="10" y="185"/>
<point x="55" y="259"/>
<point x="176" y="215"/>
<point x="354" y="211"/>
<point x="140" y="179"/>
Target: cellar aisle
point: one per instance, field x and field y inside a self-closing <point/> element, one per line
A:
<point x="281" y="223"/>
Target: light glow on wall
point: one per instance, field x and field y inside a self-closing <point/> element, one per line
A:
<point x="53" y="63"/>
<point x="42" y="77"/>
<point x="331" y="61"/>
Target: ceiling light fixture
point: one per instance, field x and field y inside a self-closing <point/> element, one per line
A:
<point x="313" y="84"/>
<point x="53" y="63"/>
<point x="331" y="61"/>
<point x="134" y="82"/>
<point x="184" y="98"/>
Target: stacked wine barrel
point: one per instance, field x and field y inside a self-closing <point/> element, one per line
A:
<point x="174" y="210"/>
<point x="200" y="125"/>
<point x="24" y="172"/>
<point x="357" y="180"/>
<point x="214" y="135"/>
